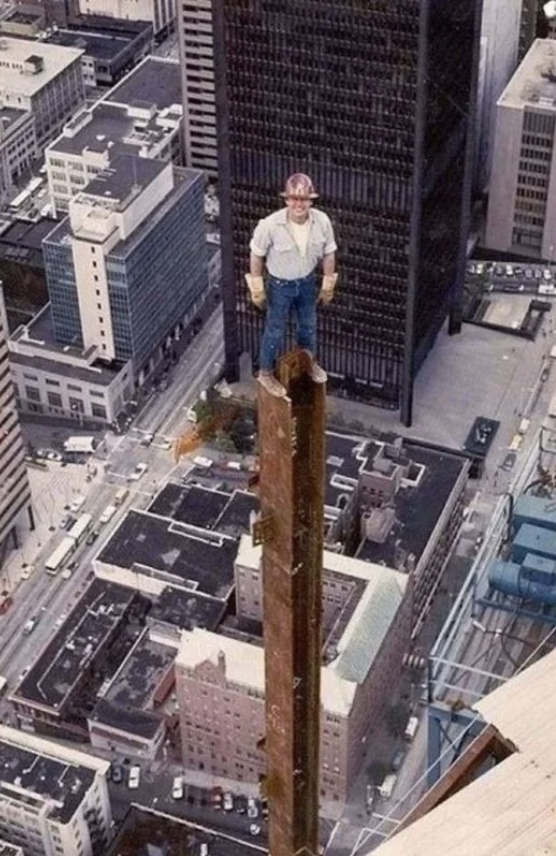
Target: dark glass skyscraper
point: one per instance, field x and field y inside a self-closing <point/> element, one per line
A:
<point x="374" y="99"/>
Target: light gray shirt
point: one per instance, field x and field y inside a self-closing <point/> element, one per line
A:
<point x="274" y="240"/>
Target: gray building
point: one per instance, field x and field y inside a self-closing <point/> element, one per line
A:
<point x="128" y="265"/>
<point x="522" y="204"/>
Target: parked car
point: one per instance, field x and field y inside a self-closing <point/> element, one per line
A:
<point x="67" y="521"/>
<point x="216" y="796"/>
<point x="252" y="808"/>
<point x="146" y="440"/>
<point x="397" y="760"/>
<point x="228" y="802"/>
<point x="241" y="804"/>
<point x="177" y="788"/>
<point x="134" y="777"/>
<point x="92" y="537"/>
<point x="547" y="274"/>
<point x="138" y="472"/>
<point x="116" y="773"/>
<point x="27" y="572"/>
<point x="255" y="829"/>
<point x="54" y="456"/>
<point x="529" y="273"/>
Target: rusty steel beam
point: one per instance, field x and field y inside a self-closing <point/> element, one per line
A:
<point x="291" y="490"/>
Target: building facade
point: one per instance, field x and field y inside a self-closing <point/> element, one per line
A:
<point x="344" y="93"/>
<point x="45" y="80"/>
<point x="160" y="13"/>
<point x="194" y="24"/>
<point x="53" y="800"/>
<point x="15" y="491"/>
<point x="522" y="209"/>
<point x="220" y="680"/>
<point x="126" y="266"/>
<point x="18" y="148"/>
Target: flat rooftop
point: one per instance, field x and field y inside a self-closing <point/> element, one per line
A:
<point x="208" y="508"/>
<point x="127" y="172"/>
<point x="186" y="610"/>
<point x="184" y="555"/>
<point x="35" y="774"/>
<point x="136" y="681"/>
<point x="155" y="82"/>
<point x="104" y="44"/>
<point x="534" y="82"/>
<point x="88" y="627"/>
<point x="147" y="831"/>
<point x="16" y="52"/>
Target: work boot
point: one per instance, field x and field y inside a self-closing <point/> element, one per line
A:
<point x="271" y="383"/>
<point x="318" y="374"/>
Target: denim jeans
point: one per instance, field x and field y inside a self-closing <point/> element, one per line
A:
<point x="282" y="296"/>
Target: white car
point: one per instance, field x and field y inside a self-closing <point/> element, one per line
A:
<point x="255" y="829"/>
<point x="228" y="802"/>
<point x="177" y="788"/>
<point x="134" y="777"/>
<point x="252" y="810"/>
<point x="138" y="472"/>
<point x="66" y="574"/>
<point x="146" y="440"/>
<point x="26" y="572"/>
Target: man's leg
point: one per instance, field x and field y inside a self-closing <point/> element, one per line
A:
<point x="279" y="300"/>
<point x="306" y="311"/>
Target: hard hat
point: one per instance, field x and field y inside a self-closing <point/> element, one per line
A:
<point x="299" y="184"/>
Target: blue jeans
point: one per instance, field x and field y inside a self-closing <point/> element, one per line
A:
<point x="282" y="296"/>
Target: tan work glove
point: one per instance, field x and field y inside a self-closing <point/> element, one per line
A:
<point x="255" y="284"/>
<point x="326" y="292"/>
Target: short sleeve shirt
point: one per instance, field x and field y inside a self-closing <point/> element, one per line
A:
<point x="273" y="240"/>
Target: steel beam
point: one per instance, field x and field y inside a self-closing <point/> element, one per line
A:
<point x="291" y="491"/>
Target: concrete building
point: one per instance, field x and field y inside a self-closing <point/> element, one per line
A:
<point x="111" y="47"/>
<point x="18" y="148"/>
<point x="194" y="20"/>
<point x="53" y="799"/>
<point x="7" y="849"/>
<point x="23" y="20"/>
<point x="128" y="265"/>
<point x="220" y="679"/>
<point x="500" y="30"/>
<point x="160" y="13"/>
<point x="141" y="115"/>
<point x="522" y="203"/>
<point x="22" y="267"/>
<point x="45" y="80"/>
<point x="15" y="491"/>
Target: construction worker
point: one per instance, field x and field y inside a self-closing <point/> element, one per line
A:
<point x="292" y="242"/>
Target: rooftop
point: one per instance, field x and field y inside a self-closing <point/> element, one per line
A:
<point x="145" y="832"/>
<point x="102" y="41"/>
<point x="59" y="668"/>
<point x="181" y="555"/>
<point x="135" y="683"/>
<point x="534" y="82"/>
<point x="186" y="610"/>
<point x="193" y="504"/>
<point x="155" y="82"/>
<point x="48" y="61"/>
<point x="127" y="174"/>
<point x="40" y="773"/>
<point x="10" y="849"/>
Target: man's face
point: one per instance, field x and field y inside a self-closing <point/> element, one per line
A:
<point x="298" y="208"/>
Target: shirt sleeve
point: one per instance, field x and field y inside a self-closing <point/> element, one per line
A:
<point x="330" y="245"/>
<point x="260" y="242"/>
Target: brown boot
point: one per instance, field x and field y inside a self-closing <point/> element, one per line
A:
<point x="271" y="383"/>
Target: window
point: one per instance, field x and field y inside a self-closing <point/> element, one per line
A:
<point x="32" y="393"/>
<point x="51" y="382"/>
<point x="98" y="410"/>
<point x="74" y="388"/>
<point x="54" y="399"/>
<point x="31" y="377"/>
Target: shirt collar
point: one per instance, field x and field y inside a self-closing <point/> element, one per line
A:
<point x="283" y="216"/>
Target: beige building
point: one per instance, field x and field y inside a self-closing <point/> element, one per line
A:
<point x="160" y="13"/>
<point x="53" y="799"/>
<point x="220" y="680"/>
<point x="18" y="148"/>
<point x="15" y="492"/>
<point x="194" y="18"/>
<point x="45" y="80"/>
<point x="522" y="202"/>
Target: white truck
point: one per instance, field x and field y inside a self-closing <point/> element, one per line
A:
<point x="107" y="514"/>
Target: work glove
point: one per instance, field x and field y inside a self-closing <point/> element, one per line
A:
<point x="326" y="292"/>
<point x="255" y="284"/>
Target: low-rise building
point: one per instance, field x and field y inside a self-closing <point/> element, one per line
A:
<point x="44" y="80"/>
<point x="142" y="115"/>
<point x="159" y="13"/>
<point x="220" y="679"/>
<point x="18" y="148"/>
<point x="53" y="798"/>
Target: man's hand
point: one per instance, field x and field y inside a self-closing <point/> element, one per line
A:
<point x="255" y="284"/>
<point x="326" y="292"/>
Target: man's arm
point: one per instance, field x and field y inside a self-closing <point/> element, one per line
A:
<point x="256" y="265"/>
<point x="328" y="264"/>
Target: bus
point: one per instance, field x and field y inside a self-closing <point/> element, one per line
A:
<point x="62" y="552"/>
<point x="80" y="528"/>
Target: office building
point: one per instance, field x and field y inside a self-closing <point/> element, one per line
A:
<point x="18" y="148"/>
<point x="500" y="30"/>
<point x="53" y="798"/>
<point x="522" y="202"/>
<point x="376" y="102"/>
<point x="194" y="24"/>
<point x="141" y="115"/>
<point x="220" y="679"/>
<point x="128" y="264"/>
<point x="160" y="13"/>
<point x="45" y="80"/>
<point x="15" y="492"/>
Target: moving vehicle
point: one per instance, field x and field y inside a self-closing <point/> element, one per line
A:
<point x="107" y="514"/>
<point x="84" y="445"/>
<point x="5" y="601"/>
<point x="386" y="789"/>
<point x="92" y="537"/>
<point x="146" y="440"/>
<point x="27" y="572"/>
<point x="121" y="495"/>
<point x="255" y="829"/>
<point x="134" y="777"/>
<point x="138" y="472"/>
<point x="411" y="728"/>
<point x="60" y="555"/>
<point x="78" y="503"/>
<point x="177" y="788"/>
<point x="80" y="528"/>
<point x="203" y="463"/>
<point x="30" y="625"/>
<point x="66" y="574"/>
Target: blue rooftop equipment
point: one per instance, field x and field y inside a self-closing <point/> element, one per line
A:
<point x="533" y="539"/>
